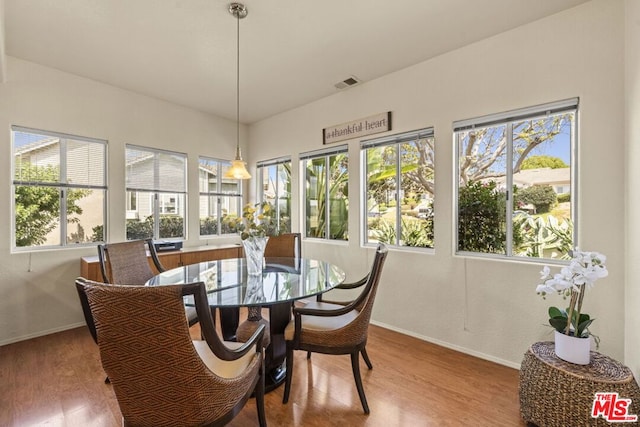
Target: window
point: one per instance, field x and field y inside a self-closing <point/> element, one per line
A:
<point x="220" y="197"/>
<point x="399" y="182"/>
<point x="516" y="188"/>
<point x="326" y="193"/>
<point x="59" y="188"/>
<point x="274" y="187"/>
<point x="156" y="193"/>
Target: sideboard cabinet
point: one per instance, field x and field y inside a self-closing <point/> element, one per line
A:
<point x="90" y="265"/>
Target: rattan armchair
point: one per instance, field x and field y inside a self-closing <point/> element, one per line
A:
<point x="338" y="330"/>
<point x="159" y="375"/>
<point x="127" y="263"/>
<point x="321" y="303"/>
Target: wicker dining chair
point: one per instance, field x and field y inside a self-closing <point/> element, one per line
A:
<point x="340" y="330"/>
<point x="159" y="375"/>
<point x="321" y="303"/>
<point x="127" y="263"/>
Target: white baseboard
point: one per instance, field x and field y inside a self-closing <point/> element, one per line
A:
<point x="450" y="346"/>
<point x="42" y="333"/>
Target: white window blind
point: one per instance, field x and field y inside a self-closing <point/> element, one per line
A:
<point x="326" y="152"/>
<point x="527" y="113"/>
<point x="155" y="170"/>
<point x="71" y="161"/>
<point x="271" y="162"/>
<point x="395" y="139"/>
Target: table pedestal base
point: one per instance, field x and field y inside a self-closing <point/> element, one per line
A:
<point x="247" y="328"/>
<point x="272" y="340"/>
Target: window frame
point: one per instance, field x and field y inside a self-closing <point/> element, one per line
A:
<point x="62" y="185"/>
<point x="392" y="140"/>
<point x="325" y="154"/>
<point x="260" y="191"/>
<point x="218" y="194"/>
<point x="155" y="189"/>
<point x="508" y="118"/>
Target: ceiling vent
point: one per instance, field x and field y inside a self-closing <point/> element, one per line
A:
<point x="348" y="82"/>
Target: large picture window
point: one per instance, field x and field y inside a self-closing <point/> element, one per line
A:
<point x="274" y="187"/>
<point x="399" y="188"/>
<point x="516" y="189"/>
<point x="326" y="195"/>
<point x="156" y="193"/>
<point x="59" y="188"/>
<point x="220" y="197"/>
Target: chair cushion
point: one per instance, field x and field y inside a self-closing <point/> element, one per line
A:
<point x="223" y="368"/>
<point x="321" y="323"/>
<point x="315" y="305"/>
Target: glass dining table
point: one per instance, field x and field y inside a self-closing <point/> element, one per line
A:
<point x="229" y="287"/>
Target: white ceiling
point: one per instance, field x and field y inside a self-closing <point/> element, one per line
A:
<point x="292" y="51"/>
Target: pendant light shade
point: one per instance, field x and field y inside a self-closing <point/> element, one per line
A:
<point x="238" y="169"/>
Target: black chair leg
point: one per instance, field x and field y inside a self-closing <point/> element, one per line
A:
<point x="308" y="355"/>
<point x="289" y="374"/>
<point x="365" y="356"/>
<point x="355" y="365"/>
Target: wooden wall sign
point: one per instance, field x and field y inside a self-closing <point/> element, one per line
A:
<point x="357" y="128"/>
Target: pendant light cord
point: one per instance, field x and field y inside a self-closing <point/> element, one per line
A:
<point x="238" y="156"/>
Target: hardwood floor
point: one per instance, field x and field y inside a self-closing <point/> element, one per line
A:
<point x="57" y="380"/>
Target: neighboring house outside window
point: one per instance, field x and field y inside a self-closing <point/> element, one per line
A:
<point x="399" y="188"/>
<point x="156" y="193"/>
<point x="326" y="198"/>
<point x="220" y="197"/>
<point x="274" y="187"/>
<point x="59" y="189"/>
<point x="516" y="189"/>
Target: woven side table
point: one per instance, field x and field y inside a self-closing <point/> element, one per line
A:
<point x="555" y="393"/>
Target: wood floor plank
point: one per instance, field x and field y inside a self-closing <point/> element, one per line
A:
<point x="57" y="380"/>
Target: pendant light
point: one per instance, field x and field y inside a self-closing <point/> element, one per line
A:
<point x="238" y="169"/>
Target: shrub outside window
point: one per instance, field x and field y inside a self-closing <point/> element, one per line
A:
<point x="326" y="195"/>
<point x="220" y="197"/>
<point x="516" y="187"/>
<point x="399" y="189"/>
<point x="156" y="193"/>
<point x="59" y="189"/>
<point x="274" y="187"/>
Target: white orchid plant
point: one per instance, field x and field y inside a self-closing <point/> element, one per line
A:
<point x="571" y="282"/>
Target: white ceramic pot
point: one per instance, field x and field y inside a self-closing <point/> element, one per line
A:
<point x="572" y="349"/>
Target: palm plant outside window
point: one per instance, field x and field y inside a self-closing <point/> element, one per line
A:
<point x="516" y="188"/>
<point x="326" y="193"/>
<point x="399" y="177"/>
<point x="274" y="187"/>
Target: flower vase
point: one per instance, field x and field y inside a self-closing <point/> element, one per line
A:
<point x="254" y="293"/>
<point x="573" y="349"/>
<point x="254" y="254"/>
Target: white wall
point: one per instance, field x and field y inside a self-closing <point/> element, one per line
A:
<point x="37" y="294"/>
<point x="482" y="307"/>
<point x="632" y="92"/>
<point x="487" y="307"/>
